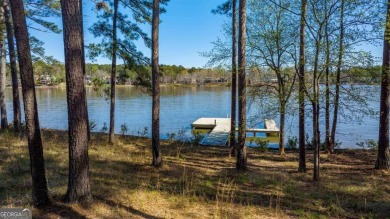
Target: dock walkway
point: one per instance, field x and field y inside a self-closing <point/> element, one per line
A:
<point x="219" y="133"/>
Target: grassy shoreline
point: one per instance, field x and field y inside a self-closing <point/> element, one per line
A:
<point x="196" y="182"/>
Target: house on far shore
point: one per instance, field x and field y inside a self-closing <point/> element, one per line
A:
<point x="45" y="79"/>
<point x="209" y="80"/>
<point x="188" y="80"/>
<point x="88" y="79"/>
<point x="214" y="80"/>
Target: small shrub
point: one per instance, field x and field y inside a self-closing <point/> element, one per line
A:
<point x="181" y="134"/>
<point x="197" y="138"/>
<point x="368" y="144"/>
<point x="92" y="125"/>
<point x="323" y="146"/>
<point x="337" y="144"/>
<point x="309" y="143"/>
<point x="124" y="129"/>
<point x="171" y="136"/>
<point x="292" y="142"/>
<point x="104" y="129"/>
<point x="262" y="144"/>
<point x="372" y="144"/>
<point x="144" y="132"/>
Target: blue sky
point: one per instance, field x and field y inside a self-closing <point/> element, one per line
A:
<point x="187" y="28"/>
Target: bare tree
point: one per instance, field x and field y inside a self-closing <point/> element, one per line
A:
<point x="37" y="164"/>
<point x="78" y="179"/>
<point x="332" y="139"/>
<point x="272" y="42"/>
<point x="302" y="152"/>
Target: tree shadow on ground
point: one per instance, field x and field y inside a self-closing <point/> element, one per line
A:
<point x="129" y="209"/>
<point x="57" y="210"/>
<point x="197" y="172"/>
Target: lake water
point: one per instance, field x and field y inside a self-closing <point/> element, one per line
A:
<point x="180" y="106"/>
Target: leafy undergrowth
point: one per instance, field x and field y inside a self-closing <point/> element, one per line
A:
<point x="196" y="182"/>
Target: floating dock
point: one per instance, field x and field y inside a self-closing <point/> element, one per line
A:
<point x="270" y="127"/>
<point x="221" y="129"/>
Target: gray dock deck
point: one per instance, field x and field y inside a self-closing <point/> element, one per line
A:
<point x="220" y="130"/>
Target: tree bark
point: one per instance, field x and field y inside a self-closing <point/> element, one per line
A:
<point x="157" y="157"/>
<point x="328" y="146"/>
<point x="234" y="81"/>
<point x="316" y="112"/>
<point x="338" y="76"/>
<point x="302" y="152"/>
<point x="84" y="73"/>
<point x="14" y="74"/>
<point x="4" y="122"/>
<point x="113" y="73"/>
<point x="78" y="179"/>
<point x="282" y="119"/>
<point x="241" y="163"/>
<point x="37" y="165"/>
<point x="383" y="158"/>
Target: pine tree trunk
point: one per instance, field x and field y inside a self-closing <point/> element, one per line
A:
<point x="113" y="73"/>
<point x="14" y="74"/>
<point x="302" y="152"/>
<point x="234" y="81"/>
<point x="316" y="142"/>
<point x="84" y="73"/>
<point x="241" y="163"/>
<point x="4" y="122"/>
<point x="383" y="159"/>
<point x="157" y="157"/>
<point x="78" y="179"/>
<point x="327" y="89"/>
<point x="282" y="119"/>
<point x="37" y="164"/>
<point x="338" y="76"/>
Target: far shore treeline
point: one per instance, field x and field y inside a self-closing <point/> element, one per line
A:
<point x="52" y="72"/>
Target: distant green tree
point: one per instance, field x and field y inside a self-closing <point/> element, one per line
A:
<point x="272" y="43"/>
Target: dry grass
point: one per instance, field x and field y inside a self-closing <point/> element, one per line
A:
<point x="196" y="182"/>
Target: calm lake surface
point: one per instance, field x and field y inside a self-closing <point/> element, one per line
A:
<point x="180" y="106"/>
